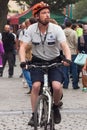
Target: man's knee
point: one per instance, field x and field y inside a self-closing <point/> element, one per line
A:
<point x="56" y="85"/>
<point x="36" y="86"/>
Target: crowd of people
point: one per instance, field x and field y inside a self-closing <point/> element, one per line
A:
<point x="41" y="39"/>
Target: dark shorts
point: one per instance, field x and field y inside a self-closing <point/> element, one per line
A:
<point x="54" y="74"/>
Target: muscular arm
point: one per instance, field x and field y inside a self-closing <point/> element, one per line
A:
<point x="66" y="50"/>
<point x="22" y="51"/>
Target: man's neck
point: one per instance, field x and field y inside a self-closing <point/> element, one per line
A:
<point x="42" y="28"/>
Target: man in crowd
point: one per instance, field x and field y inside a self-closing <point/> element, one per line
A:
<point x="72" y="41"/>
<point x="8" y="44"/>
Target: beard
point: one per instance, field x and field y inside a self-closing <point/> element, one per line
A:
<point x="44" y="22"/>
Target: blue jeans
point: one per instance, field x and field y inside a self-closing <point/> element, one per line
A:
<point x="74" y="72"/>
<point x="27" y="76"/>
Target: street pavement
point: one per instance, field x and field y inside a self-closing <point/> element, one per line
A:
<point x="15" y="106"/>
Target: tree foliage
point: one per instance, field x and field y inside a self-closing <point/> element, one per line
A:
<point x="55" y="5"/>
<point x="3" y="13"/>
<point x="80" y="9"/>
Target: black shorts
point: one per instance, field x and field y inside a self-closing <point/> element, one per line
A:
<point x="54" y="74"/>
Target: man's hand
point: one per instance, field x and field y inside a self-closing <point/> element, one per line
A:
<point x="66" y="62"/>
<point x="23" y="65"/>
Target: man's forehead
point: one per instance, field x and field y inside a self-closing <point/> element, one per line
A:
<point x="45" y="10"/>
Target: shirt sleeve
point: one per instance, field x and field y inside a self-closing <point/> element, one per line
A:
<point x="27" y="36"/>
<point x="61" y="35"/>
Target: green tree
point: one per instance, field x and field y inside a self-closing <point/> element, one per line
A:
<point x="54" y="4"/>
<point x="80" y="9"/>
<point x="3" y="13"/>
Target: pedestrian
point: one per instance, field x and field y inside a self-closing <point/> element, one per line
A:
<point x="74" y="26"/>
<point x="84" y="77"/>
<point x="72" y="41"/>
<point x="28" y="56"/>
<point x="17" y="36"/>
<point x="1" y="55"/>
<point x="53" y="21"/>
<point x="45" y="38"/>
<point x="15" y="50"/>
<point x="82" y="41"/>
<point x="26" y="73"/>
<point x="82" y="45"/>
<point x="66" y="19"/>
<point x="79" y="30"/>
<point x="8" y="40"/>
<point x="22" y="31"/>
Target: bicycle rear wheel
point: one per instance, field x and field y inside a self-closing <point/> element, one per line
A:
<point x="40" y="114"/>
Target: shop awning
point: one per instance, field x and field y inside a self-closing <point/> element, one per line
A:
<point x="24" y="17"/>
<point x="58" y="17"/>
<point x="17" y="19"/>
<point x="83" y="20"/>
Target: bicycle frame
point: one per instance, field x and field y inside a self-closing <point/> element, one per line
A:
<point x="45" y="99"/>
<point x="47" y="93"/>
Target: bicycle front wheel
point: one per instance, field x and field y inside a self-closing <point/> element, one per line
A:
<point x="50" y="125"/>
<point x="41" y="113"/>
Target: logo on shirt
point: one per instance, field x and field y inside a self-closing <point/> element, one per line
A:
<point x="51" y="37"/>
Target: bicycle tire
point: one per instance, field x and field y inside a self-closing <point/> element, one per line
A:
<point x="51" y="125"/>
<point x="40" y="114"/>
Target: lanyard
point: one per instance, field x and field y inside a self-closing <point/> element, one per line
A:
<point x="43" y="40"/>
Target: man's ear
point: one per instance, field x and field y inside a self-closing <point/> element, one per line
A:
<point x="37" y="16"/>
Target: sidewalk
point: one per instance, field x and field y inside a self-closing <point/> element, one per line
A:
<point x="15" y="107"/>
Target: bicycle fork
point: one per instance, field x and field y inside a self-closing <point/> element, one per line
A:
<point x="48" y="95"/>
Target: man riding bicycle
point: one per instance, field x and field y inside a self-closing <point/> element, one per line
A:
<point x="47" y="39"/>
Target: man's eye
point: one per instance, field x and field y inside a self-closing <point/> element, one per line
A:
<point x="44" y="13"/>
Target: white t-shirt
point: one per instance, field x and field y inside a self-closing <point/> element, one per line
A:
<point x="21" y="34"/>
<point x="52" y="39"/>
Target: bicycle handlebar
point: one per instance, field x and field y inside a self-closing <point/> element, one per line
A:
<point x="44" y="66"/>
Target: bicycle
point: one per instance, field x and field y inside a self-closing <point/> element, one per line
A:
<point x="43" y="114"/>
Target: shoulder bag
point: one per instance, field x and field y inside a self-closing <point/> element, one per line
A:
<point x="81" y="59"/>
